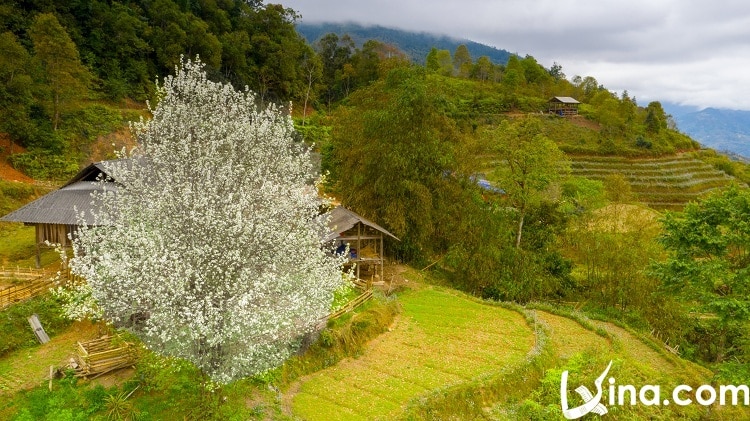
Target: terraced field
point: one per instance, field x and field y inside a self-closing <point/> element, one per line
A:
<point x="442" y="339"/>
<point x="662" y="183"/>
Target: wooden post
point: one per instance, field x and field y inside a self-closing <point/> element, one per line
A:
<point x="382" y="260"/>
<point x="359" y="246"/>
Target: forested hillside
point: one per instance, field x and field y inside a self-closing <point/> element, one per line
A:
<point x="415" y="45"/>
<point x="68" y="69"/>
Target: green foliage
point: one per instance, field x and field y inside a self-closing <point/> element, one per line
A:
<point x="530" y="164"/>
<point x="14" y="326"/>
<point x="64" y="76"/>
<point x="13" y="194"/>
<point x="709" y="245"/>
<point x="581" y="194"/>
<point x="44" y="165"/>
<point x="396" y="148"/>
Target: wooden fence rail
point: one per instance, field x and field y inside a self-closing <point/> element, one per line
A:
<point x="351" y="305"/>
<point x="8" y="272"/>
<point x="36" y="286"/>
<point x="17" y="293"/>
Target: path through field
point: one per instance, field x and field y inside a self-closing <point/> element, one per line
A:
<point x="442" y="338"/>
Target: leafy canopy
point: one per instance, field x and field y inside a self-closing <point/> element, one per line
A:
<point x="210" y="250"/>
<point x="709" y="245"/>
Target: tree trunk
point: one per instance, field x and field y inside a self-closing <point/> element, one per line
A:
<point x="520" y="230"/>
<point x="307" y="95"/>
<point x="56" y="111"/>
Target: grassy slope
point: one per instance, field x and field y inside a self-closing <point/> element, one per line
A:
<point x="441" y="339"/>
<point x="438" y="357"/>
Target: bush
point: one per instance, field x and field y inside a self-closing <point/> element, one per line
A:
<point x="14" y="326"/>
<point x="44" y="165"/>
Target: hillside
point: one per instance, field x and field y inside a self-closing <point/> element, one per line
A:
<point x="415" y="44"/>
<point x="667" y="182"/>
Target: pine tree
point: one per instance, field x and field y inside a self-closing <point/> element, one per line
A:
<point x="65" y="76"/>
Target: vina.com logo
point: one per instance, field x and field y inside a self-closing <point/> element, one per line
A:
<point x="647" y="395"/>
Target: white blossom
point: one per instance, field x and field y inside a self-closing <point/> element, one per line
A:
<point x="210" y="247"/>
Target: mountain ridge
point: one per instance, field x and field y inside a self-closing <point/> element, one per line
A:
<point x="721" y="129"/>
<point x="416" y="44"/>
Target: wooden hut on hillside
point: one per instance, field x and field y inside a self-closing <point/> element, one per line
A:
<point x="563" y="106"/>
<point x="56" y="215"/>
<point x="364" y="239"/>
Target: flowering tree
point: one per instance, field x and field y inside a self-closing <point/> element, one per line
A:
<point x="210" y="247"/>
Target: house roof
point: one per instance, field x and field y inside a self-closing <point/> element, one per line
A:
<point x="342" y="219"/>
<point x="564" y="100"/>
<point x="62" y="206"/>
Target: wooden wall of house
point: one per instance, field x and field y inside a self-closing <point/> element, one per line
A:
<point x="54" y="233"/>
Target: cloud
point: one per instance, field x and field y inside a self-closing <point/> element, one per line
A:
<point x="692" y="52"/>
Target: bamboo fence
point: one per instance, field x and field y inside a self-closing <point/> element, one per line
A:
<point x="21" y="273"/>
<point x="43" y="282"/>
<point x="351" y="305"/>
<point x="103" y="355"/>
<point x="22" y="292"/>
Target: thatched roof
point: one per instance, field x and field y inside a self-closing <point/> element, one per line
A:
<point x="343" y="219"/>
<point x="61" y="206"/>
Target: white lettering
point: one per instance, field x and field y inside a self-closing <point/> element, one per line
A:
<point x="676" y="395"/>
<point x="655" y="395"/>
<point x="735" y="391"/>
<point x="711" y="392"/>
<point x="621" y="389"/>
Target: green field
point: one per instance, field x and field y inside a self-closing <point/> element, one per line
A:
<point x="441" y="339"/>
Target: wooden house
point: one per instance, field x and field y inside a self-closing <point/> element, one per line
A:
<point x="563" y="106"/>
<point x="364" y="239"/>
<point x="56" y="215"/>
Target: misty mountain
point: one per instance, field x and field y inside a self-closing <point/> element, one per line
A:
<point x="720" y="129"/>
<point x="415" y="44"/>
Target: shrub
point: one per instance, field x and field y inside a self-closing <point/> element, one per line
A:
<point x="14" y="326"/>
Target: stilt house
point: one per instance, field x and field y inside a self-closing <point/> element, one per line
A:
<point x="364" y="239"/>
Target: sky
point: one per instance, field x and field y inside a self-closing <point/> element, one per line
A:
<point x="688" y="52"/>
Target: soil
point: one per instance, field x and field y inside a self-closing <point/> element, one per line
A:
<point x="7" y="172"/>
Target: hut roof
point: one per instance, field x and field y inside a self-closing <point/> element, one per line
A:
<point x="564" y="100"/>
<point x="62" y="206"/>
<point x="343" y="219"/>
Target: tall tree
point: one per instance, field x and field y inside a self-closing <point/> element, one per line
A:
<point x="445" y="63"/>
<point x="708" y="266"/>
<point x="65" y="76"/>
<point x="531" y="162"/>
<point x="393" y="146"/>
<point x="192" y="252"/>
<point x="15" y="88"/>
<point x="462" y="61"/>
<point x="483" y="69"/>
<point x="432" y="64"/>
<point x="335" y="53"/>
<point x="313" y="68"/>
